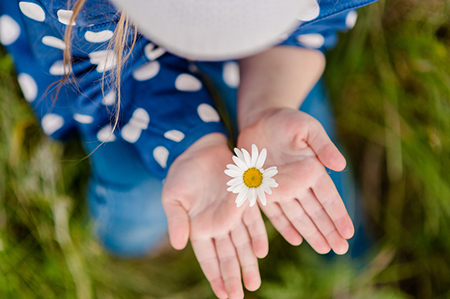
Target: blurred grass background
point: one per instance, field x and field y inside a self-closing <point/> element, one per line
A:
<point x="389" y="79"/>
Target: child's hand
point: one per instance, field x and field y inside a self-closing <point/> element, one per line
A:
<point x="306" y="202"/>
<point x="225" y="238"/>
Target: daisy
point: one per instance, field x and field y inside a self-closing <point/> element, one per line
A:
<point x="250" y="180"/>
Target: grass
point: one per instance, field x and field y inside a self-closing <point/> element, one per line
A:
<point x="389" y="79"/>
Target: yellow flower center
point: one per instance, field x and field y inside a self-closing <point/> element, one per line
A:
<point x="252" y="177"/>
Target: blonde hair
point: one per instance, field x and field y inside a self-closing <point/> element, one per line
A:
<point x="117" y="44"/>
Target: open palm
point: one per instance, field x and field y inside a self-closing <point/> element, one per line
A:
<point x="306" y="203"/>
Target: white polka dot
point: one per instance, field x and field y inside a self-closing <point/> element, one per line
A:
<point x="208" y="113"/>
<point x="231" y="74"/>
<point x="147" y="71"/>
<point x="9" y="30"/>
<point x="32" y="10"/>
<point x="161" y="154"/>
<point x="105" y="134"/>
<point x="152" y="52"/>
<point x="54" y="42"/>
<point x="64" y="16"/>
<point x="105" y="59"/>
<point x="140" y="119"/>
<point x="51" y="123"/>
<point x="313" y="40"/>
<point x="350" y="19"/>
<point x="28" y="86"/>
<point x="309" y="10"/>
<point x="174" y="135"/>
<point x="84" y="119"/>
<point x="58" y="68"/>
<point x="98" y="37"/>
<point x="110" y="98"/>
<point x="131" y="133"/>
<point x="186" y="82"/>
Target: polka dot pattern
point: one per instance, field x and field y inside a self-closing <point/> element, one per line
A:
<point x="231" y="74"/>
<point x="58" y="68"/>
<point x="32" y="10"/>
<point x="153" y="52"/>
<point x="54" y="42"/>
<point x="28" y="86"/>
<point x="138" y="122"/>
<point x="313" y="40"/>
<point x="98" y="37"/>
<point x="51" y="123"/>
<point x="186" y="82"/>
<point x="109" y="98"/>
<point x="106" y="60"/>
<point x="174" y="135"/>
<point x="161" y="154"/>
<point x="9" y="30"/>
<point x="83" y="119"/>
<point x="351" y="18"/>
<point x="147" y="71"/>
<point x="208" y="113"/>
<point x="105" y="134"/>
<point x="64" y="16"/>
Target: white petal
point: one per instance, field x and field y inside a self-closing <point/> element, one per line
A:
<point x="240" y="199"/>
<point x="261" y="158"/>
<point x="252" y="196"/>
<point x="239" y="188"/>
<point x="267" y="190"/>
<point x="235" y="168"/>
<point x="254" y="155"/>
<point x="152" y="52"/>
<point x="239" y="153"/>
<point x="261" y="195"/>
<point x="239" y="162"/>
<point x="270" y="172"/>
<point x="235" y="181"/>
<point x="311" y="40"/>
<point x="247" y="158"/>
<point x="232" y="173"/>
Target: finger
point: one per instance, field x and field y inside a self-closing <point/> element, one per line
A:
<point x="329" y="198"/>
<point x="301" y="221"/>
<point x="178" y="223"/>
<point x="257" y="231"/>
<point x="205" y="252"/>
<point x="322" y="221"/>
<point x="247" y="258"/>
<point x="229" y="267"/>
<point x="323" y="147"/>
<point x="281" y="223"/>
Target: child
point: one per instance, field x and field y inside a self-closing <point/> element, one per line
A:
<point x="146" y="117"/>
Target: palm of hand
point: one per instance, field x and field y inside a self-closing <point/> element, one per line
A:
<point x="306" y="203"/>
<point x="225" y="239"/>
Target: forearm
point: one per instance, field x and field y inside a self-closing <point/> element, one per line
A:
<point x="280" y="77"/>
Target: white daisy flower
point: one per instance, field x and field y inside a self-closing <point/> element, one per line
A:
<point x="250" y="180"/>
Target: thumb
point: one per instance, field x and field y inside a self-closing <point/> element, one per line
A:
<point x="323" y="147"/>
<point x="178" y="222"/>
